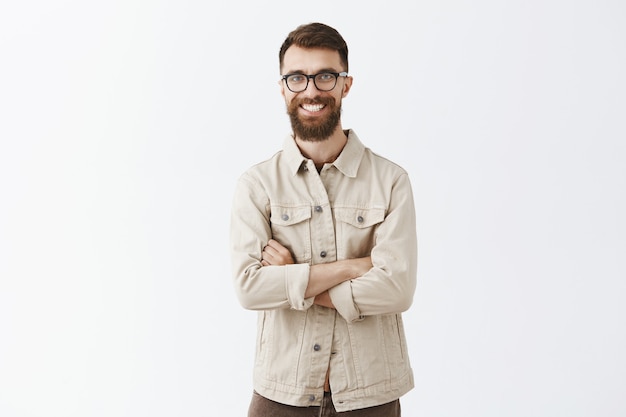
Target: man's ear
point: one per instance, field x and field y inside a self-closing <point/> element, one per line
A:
<point x="281" y="84"/>
<point x="347" y="85"/>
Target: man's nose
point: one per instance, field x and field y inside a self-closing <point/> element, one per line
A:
<point x="311" y="88"/>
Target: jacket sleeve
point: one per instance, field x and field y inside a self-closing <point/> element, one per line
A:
<point x="261" y="287"/>
<point x="390" y="285"/>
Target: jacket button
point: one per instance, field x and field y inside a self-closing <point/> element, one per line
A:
<point x="323" y="254"/>
<point x="311" y="397"/>
<point x="285" y="217"/>
<point x="317" y="347"/>
<point x="318" y="209"/>
<point x="359" y="219"/>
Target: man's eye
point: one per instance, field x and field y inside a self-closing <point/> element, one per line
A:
<point x="296" y="79"/>
<point x="325" y="76"/>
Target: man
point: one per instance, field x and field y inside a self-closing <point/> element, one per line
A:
<point x="324" y="246"/>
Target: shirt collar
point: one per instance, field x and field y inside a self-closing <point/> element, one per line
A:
<point x="347" y="162"/>
<point x="292" y="155"/>
<point x="350" y="157"/>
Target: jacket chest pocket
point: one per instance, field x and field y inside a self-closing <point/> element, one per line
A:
<point x="291" y="227"/>
<point x="356" y="230"/>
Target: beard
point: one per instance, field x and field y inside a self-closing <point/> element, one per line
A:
<point x="312" y="129"/>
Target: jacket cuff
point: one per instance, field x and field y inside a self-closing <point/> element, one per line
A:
<point x="341" y="296"/>
<point x="296" y="281"/>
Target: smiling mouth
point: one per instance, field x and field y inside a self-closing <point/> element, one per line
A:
<point x="313" y="107"/>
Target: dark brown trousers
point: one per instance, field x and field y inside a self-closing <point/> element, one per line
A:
<point x="262" y="407"/>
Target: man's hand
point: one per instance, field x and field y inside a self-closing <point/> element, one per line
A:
<point x="275" y="254"/>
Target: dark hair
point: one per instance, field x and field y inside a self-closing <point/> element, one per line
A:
<point x="315" y="35"/>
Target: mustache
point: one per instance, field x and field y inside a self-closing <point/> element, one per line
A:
<point x="316" y="100"/>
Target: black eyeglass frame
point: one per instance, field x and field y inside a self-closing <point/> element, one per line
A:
<point x="313" y="76"/>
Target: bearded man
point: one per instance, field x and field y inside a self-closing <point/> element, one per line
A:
<point x="324" y="247"/>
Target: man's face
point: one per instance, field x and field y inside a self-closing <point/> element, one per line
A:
<point x="314" y="114"/>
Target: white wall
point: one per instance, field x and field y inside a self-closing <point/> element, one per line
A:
<point x="124" y="125"/>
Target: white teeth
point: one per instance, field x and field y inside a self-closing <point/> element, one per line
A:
<point x="313" y="107"/>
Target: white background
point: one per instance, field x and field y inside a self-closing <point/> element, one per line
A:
<point x="124" y="125"/>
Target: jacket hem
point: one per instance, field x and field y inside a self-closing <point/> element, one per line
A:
<point x="347" y="400"/>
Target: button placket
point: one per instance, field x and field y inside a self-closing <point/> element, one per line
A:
<point x="322" y="223"/>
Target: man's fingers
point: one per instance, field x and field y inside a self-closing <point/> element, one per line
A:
<point x="270" y="250"/>
<point x="276" y="254"/>
<point x="276" y="246"/>
<point x="278" y="249"/>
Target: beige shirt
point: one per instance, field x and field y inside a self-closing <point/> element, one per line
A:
<point x="359" y="205"/>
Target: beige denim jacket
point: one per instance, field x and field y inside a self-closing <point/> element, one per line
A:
<point x="360" y="205"/>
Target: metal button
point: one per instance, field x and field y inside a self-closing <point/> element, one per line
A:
<point x="317" y="347"/>
<point x="311" y="397"/>
<point x="323" y="254"/>
<point x="359" y="219"/>
<point x="285" y="217"/>
<point x="318" y="209"/>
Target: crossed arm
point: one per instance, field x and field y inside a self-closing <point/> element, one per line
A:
<point x="322" y="277"/>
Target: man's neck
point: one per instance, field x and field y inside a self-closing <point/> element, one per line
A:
<point x="323" y="151"/>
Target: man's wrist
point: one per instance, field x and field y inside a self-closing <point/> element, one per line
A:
<point x="323" y="299"/>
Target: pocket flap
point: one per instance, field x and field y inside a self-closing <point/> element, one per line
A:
<point x="360" y="218"/>
<point x="287" y="216"/>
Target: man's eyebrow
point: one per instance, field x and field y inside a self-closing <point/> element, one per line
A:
<point x="318" y="71"/>
<point x="294" y="72"/>
<point x="329" y="70"/>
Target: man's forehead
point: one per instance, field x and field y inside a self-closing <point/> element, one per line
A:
<point x="311" y="59"/>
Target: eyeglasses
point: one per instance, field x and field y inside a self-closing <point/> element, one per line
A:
<point x="324" y="81"/>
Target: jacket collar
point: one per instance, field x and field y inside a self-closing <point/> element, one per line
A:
<point x="347" y="162"/>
